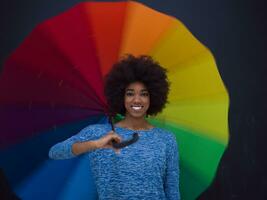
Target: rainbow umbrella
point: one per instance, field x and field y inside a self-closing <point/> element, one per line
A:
<point x="52" y="85"/>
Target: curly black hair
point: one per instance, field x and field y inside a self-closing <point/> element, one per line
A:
<point x="132" y="69"/>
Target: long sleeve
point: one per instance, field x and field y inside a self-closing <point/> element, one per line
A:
<point x="63" y="150"/>
<point x="171" y="183"/>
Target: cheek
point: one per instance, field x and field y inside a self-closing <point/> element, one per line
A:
<point x="127" y="101"/>
<point x="148" y="101"/>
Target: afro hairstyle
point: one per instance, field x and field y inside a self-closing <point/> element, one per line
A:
<point x="132" y="69"/>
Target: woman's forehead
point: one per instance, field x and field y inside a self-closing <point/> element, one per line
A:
<point x="136" y="86"/>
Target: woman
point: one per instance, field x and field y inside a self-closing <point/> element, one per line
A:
<point x="148" y="169"/>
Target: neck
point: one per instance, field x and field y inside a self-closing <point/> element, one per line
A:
<point x="135" y="123"/>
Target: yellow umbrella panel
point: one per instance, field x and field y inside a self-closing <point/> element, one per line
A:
<point x="197" y="112"/>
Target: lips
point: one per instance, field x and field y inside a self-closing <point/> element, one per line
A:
<point x="139" y="107"/>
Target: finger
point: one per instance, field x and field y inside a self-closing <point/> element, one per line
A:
<point x="117" y="151"/>
<point x="117" y="139"/>
<point x="110" y="133"/>
<point x="109" y="136"/>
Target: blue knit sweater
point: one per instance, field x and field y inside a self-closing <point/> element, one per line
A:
<point x="147" y="169"/>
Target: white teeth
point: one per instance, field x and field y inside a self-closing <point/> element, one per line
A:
<point x="136" y="107"/>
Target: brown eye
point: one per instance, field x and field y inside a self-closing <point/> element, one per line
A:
<point x="145" y="94"/>
<point x="129" y="94"/>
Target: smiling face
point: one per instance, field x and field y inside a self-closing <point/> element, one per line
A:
<point x="136" y="100"/>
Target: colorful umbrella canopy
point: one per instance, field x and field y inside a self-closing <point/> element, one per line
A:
<point x="55" y="77"/>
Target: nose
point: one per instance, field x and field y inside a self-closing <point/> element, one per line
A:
<point x="136" y="99"/>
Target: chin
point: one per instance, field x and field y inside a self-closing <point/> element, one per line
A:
<point x="137" y="115"/>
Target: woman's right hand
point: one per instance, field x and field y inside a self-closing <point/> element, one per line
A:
<point x="106" y="141"/>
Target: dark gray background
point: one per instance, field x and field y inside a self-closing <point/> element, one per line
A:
<point x="235" y="31"/>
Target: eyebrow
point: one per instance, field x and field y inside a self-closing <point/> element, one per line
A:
<point x="143" y="90"/>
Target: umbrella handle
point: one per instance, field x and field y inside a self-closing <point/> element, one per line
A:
<point x="126" y="142"/>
